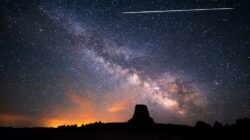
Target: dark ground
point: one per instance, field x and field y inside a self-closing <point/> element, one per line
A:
<point x="127" y="131"/>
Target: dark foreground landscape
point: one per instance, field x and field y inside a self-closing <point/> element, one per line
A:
<point x="141" y="126"/>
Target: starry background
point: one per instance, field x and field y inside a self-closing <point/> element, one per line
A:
<point x="76" y="62"/>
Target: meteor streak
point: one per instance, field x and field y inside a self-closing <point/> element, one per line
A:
<point x="179" y="10"/>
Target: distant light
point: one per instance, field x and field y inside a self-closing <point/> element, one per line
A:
<point x="178" y="10"/>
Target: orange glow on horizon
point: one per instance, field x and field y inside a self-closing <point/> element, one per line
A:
<point x="76" y="109"/>
<point x="59" y="122"/>
<point x="17" y="120"/>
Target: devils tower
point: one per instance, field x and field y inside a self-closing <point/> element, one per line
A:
<point x="141" y="116"/>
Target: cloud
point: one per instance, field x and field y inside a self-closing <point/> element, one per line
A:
<point x="83" y="102"/>
<point x="20" y="120"/>
<point x="118" y="106"/>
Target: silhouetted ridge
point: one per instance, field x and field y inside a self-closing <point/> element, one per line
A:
<point x="202" y="125"/>
<point x="217" y="125"/>
<point x="141" y="116"/>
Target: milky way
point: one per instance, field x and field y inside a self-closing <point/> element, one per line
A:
<point x="80" y="62"/>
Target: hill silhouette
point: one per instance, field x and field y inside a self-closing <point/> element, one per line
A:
<point x="140" y="126"/>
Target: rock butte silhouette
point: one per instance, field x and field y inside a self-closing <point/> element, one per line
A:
<point x="141" y="116"/>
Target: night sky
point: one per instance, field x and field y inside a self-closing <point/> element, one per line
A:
<point x="76" y="62"/>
